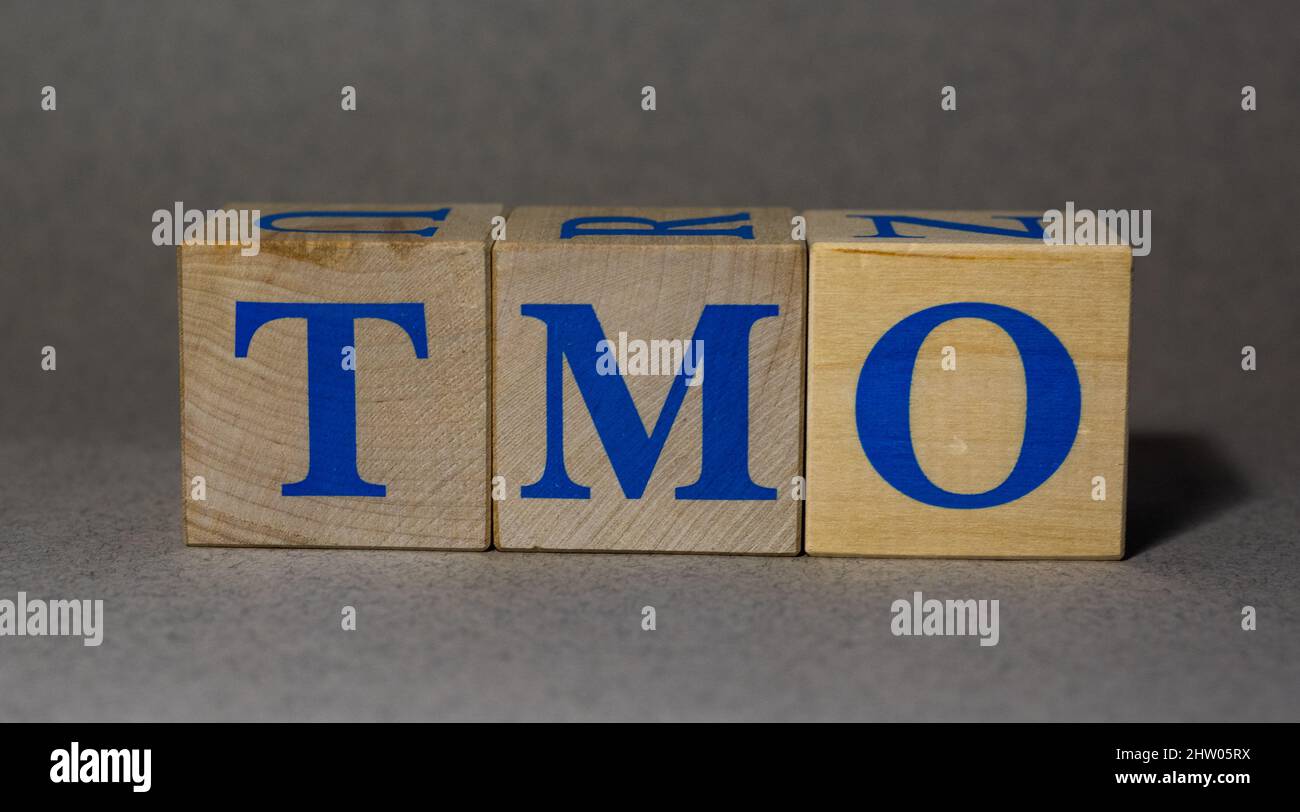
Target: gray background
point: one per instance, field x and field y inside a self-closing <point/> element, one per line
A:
<point x="808" y="105"/>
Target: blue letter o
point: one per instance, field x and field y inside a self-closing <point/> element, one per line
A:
<point x="883" y="408"/>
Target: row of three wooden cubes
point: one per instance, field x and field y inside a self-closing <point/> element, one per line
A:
<point x="441" y="377"/>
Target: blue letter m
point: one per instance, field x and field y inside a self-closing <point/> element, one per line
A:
<point x="573" y="331"/>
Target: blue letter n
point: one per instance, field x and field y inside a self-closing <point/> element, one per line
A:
<point x="573" y="331"/>
<point x="1031" y="227"/>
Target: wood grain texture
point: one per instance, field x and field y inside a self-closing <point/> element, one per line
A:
<point x="421" y="423"/>
<point x="967" y="423"/>
<point x="650" y="288"/>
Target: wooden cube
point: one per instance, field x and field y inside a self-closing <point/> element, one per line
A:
<point x="967" y="388"/>
<point x="334" y="385"/>
<point x="607" y="434"/>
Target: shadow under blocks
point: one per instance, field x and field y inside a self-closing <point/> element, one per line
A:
<point x="1175" y="482"/>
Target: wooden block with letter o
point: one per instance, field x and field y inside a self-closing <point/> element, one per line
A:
<point x="648" y="371"/>
<point x="334" y="384"/>
<point x="967" y="388"/>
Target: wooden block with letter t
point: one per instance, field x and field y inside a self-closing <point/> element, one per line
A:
<point x="967" y="388"/>
<point x="334" y="384"/>
<point x="648" y="371"/>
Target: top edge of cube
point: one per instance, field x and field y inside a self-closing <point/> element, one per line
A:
<point x="892" y="226"/>
<point x="374" y="222"/>
<point x="649" y="226"/>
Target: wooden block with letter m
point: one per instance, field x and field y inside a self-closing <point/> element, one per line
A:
<point x="967" y="388"/>
<point x="334" y="383"/>
<point x="648" y="371"/>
